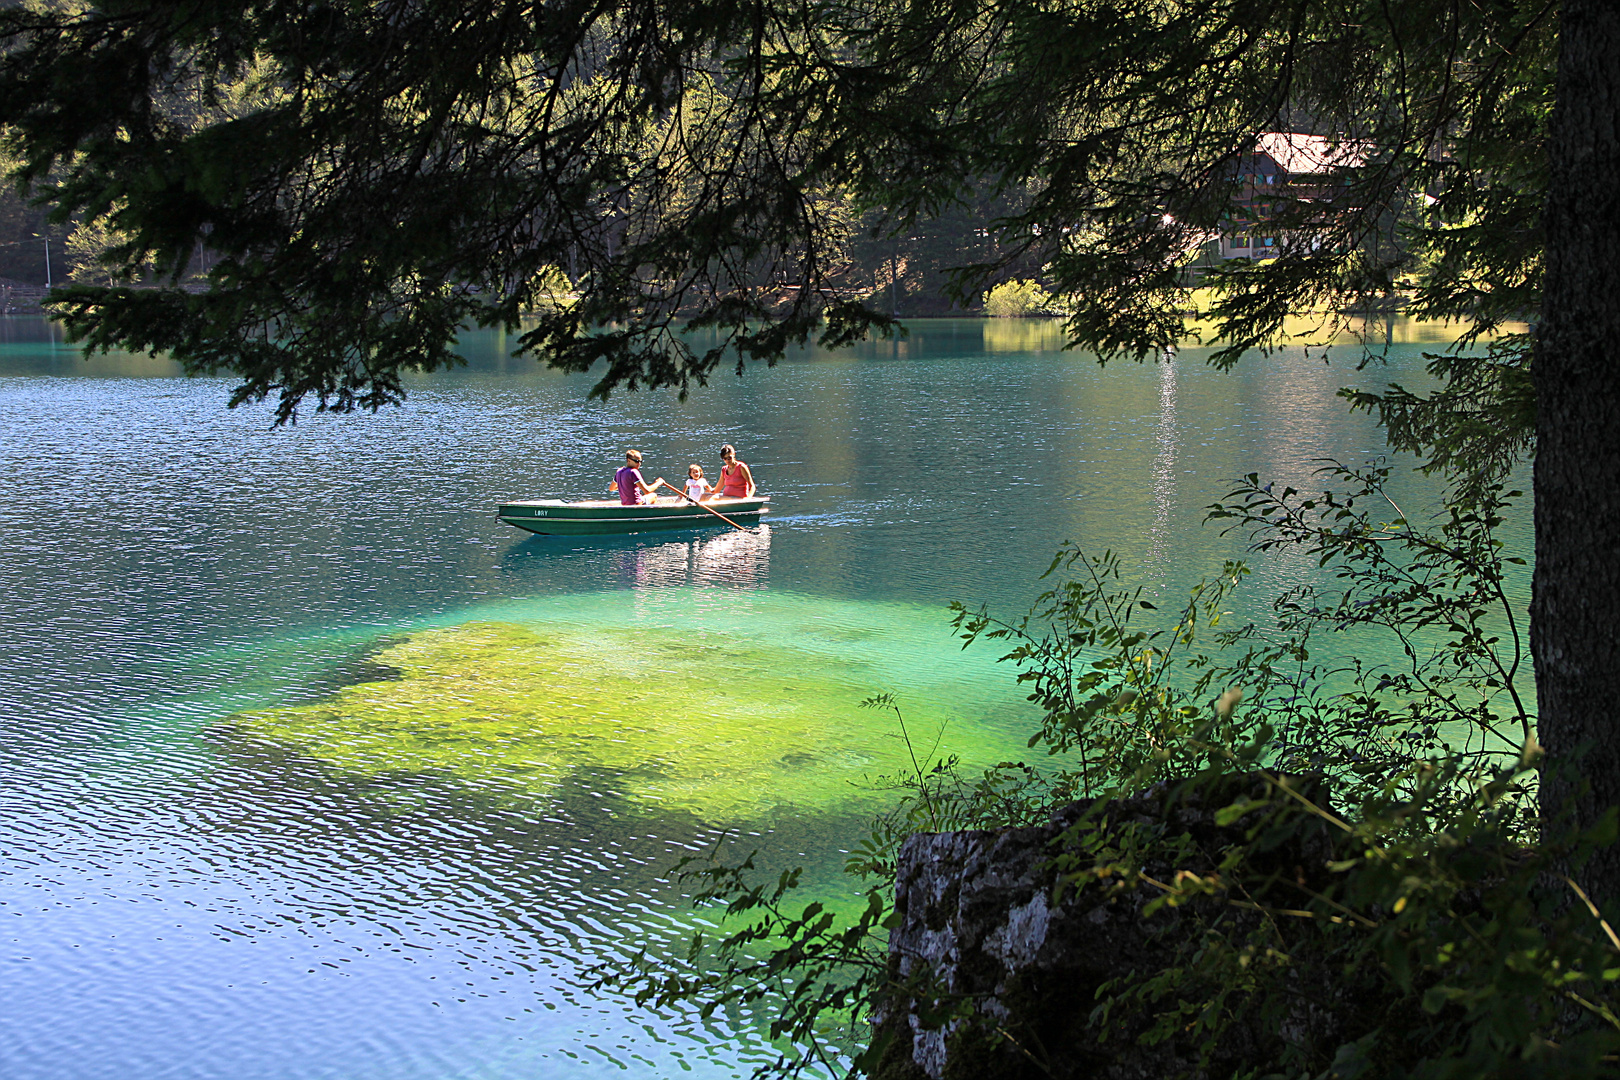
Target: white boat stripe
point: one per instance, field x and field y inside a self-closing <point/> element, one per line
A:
<point x="658" y="517"/>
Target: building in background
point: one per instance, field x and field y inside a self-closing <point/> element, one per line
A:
<point x="1283" y="171"/>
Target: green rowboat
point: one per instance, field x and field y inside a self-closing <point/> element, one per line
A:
<point x="605" y="517"/>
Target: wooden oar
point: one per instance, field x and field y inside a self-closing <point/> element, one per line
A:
<point x="710" y="509"/>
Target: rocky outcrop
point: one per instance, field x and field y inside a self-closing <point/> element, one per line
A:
<point x="1002" y="972"/>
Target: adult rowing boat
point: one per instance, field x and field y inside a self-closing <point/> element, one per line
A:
<point x="607" y="517"/>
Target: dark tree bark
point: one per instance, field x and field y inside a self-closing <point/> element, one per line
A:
<point x="1575" y="613"/>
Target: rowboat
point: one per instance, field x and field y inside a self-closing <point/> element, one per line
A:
<point x="607" y="517"/>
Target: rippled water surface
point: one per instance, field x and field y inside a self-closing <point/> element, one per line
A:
<point x="311" y="768"/>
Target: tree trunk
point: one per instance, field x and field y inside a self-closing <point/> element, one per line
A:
<point x="1575" y="613"/>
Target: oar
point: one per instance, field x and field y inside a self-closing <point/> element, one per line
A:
<point x="700" y="506"/>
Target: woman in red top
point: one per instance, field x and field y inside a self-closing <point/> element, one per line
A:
<point x="736" y="482"/>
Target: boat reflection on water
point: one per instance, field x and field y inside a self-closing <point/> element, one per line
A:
<point x="731" y="559"/>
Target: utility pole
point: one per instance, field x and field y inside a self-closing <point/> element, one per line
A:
<point x="47" y="262"/>
<point x="894" y="278"/>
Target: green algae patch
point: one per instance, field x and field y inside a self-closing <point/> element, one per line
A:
<point x="711" y="724"/>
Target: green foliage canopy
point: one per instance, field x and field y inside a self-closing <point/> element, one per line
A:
<point x="370" y="178"/>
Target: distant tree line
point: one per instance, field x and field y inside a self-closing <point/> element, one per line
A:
<point x="906" y="272"/>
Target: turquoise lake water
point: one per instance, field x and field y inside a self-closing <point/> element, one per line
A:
<point x="312" y="768"/>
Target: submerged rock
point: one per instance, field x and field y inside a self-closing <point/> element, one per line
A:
<point x="1004" y="969"/>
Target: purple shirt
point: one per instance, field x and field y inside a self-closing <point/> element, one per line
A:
<point x="628" y="479"/>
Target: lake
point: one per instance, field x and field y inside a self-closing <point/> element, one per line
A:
<point x="311" y="768"/>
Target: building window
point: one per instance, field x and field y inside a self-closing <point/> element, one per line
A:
<point x="1268" y="241"/>
<point x="1240" y="241"/>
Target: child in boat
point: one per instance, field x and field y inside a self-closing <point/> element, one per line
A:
<point x="696" y="486"/>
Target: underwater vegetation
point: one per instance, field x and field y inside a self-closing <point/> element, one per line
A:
<point x="713" y="724"/>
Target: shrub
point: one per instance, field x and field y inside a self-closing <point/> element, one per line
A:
<point x="1017" y="299"/>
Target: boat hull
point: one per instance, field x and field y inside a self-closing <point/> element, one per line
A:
<point x="551" y="517"/>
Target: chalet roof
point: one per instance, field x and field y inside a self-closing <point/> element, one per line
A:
<point x="1303" y="155"/>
